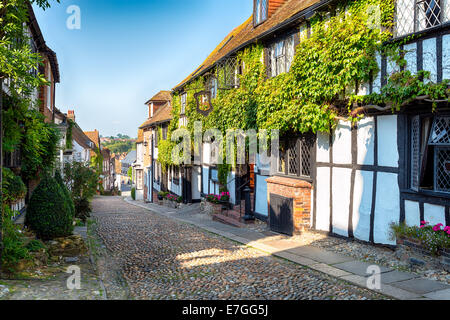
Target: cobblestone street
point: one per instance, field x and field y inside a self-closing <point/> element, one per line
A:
<point x="161" y="258"/>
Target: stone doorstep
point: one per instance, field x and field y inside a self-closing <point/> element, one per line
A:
<point x="386" y="289"/>
<point x="320" y="255"/>
<point x="359" y="268"/>
<point x="439" y="295"/>
<point x="421" y="286"/>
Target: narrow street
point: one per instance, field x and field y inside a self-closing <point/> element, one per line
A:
<point x="161" y="258"/>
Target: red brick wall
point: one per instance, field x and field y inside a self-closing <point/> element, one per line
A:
<point x="300" y="192"/>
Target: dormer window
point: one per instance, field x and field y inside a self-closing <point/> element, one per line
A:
<point x="260" y="11"/>
<point x="151" y="110"/>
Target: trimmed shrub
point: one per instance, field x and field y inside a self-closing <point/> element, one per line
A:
<point x="48" y="213"/>
<point x="133" y="193"/>
<point x="66" y="192"/>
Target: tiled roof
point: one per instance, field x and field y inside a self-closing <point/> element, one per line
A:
<point x="246" y="34"/>
<point x="140" y="138"/>
<point x="164" y="114"/>
<point x="94" y="136"/>
<point x="163" y="96"/>
<point x="42" y="46"/>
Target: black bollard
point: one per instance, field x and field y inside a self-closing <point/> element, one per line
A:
<point x="248" y="205"/>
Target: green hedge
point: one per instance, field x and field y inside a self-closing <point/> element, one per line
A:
<point x="66" y="192"/>
<point x="49" y="213"/>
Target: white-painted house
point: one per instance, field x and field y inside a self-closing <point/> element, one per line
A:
<point x="356" y="181"/>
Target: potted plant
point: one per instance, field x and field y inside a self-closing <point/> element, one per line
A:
<point x="224" y="199"/>
<point x="214" y="200"/>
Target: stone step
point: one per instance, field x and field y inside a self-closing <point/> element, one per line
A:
<point x="233" y="214"/>
<point x="228" y="220"/>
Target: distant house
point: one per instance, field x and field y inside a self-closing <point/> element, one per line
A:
<point x="138" y="166"/>
<point x="108" y="170"/>
<point x="74" y="145"/>
<point x="154" y="130"/>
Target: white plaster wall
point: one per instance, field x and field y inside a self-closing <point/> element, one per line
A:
<point x="412" y="213"/>
<point x="446" y="55"/>
<point x="261" y="206"/>
<point x="366" y="141"/>
<point x="232" y="186"/>
<point x="323" y="199"/>
<point x="362" y="204"/>
<point x="411" y="57"/>
<point x="387" y="207"/>
<point x="260" y="165"/>
<point x="341" y="200"/>
<point x="205" y="173"/>
<point x="342" y="143"/>
<point x="323" y="147"/>
<point x="206" y="153"/>
<point x="430" y="58"/>
<point x="387" y="141"/>
<point x="196" y="183"/>
<point x="391" y="68"/>
<point x="434" y="214"/>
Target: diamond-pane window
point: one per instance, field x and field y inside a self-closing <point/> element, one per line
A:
<point x="415" y="152"/>
<point x="430" y="153"/>
<point x="442" y="164"/>
<point x="440" y="134"/>
<point x="295" y="156"/>
<point x="417" y="15"/>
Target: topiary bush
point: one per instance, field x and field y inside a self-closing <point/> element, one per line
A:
<point x="49" y="213"/>
<point x="133" y="193"/>
<point x="66" y="192"/>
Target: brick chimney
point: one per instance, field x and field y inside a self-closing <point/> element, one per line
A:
<point x="71" y="115"/>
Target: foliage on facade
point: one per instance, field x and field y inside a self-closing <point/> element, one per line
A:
<point x="329" y="67"/>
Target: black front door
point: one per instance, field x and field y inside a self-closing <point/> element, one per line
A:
<point x="187" y="184"/>
<point x="281" y="214"/>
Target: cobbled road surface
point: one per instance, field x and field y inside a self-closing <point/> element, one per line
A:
<point x="161" y="258"/>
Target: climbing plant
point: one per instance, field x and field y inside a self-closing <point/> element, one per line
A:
<point x="330" y="66"/>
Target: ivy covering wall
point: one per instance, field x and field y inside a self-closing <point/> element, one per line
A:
<point x="329" y="66"/>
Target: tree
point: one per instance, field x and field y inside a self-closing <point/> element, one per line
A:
<point x="17" y="60"/>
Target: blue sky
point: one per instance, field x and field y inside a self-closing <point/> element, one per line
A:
<point x="128" y="50"/>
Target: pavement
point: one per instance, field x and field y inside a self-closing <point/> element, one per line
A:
<point x="392" y="283"/>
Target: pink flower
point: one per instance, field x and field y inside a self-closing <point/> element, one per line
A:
<point x="447" y="229"/>
<point x="437" y="227"/>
